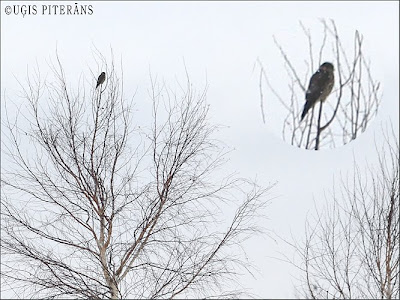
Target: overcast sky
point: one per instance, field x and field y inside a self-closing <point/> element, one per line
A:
<point x="220" y="42"/>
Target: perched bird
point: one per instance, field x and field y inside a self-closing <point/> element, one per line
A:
<point x="320" y="86"/>
<point x="101" y="79"/>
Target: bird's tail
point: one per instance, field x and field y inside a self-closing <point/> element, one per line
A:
<point x="306" y="108"/>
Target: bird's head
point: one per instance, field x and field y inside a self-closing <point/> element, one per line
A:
<point x="103" y="73"/>
<point x="326" y="66"/>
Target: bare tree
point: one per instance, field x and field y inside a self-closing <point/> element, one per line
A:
<point x="351" y="250"/>
<point x="347" y="111"/>
<point x="94" y="206"/>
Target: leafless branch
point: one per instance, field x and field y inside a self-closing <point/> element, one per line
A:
<point x="348" y="110"/>
<point x="96" y="206"/>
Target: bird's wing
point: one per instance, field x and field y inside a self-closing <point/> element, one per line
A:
<point x="101" y="79"/>
<point x="318" y="82"/>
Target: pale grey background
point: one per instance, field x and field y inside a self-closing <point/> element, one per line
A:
<point x="220" y="43"/>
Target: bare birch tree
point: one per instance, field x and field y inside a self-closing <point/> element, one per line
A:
<point x="346" y="113"/>
<point x="351" y="250"/>
<point x="94" y="206"/>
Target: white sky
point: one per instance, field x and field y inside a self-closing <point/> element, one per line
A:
<point x="220" y="42"/>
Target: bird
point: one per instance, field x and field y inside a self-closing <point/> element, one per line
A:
<point x="320" y="86"/>
<point x="101" y="79"/>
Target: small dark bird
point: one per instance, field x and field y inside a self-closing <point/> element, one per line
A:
<point x="101" y="79"/>
<point x="320" y="86"/>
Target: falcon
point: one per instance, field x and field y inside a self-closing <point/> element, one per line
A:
<point x="101" y="79"/>
<point x="320" y="86"/>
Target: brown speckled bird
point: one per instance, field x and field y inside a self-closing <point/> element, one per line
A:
<point x="320" y="86"/>
<point x="101" y="79"/>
